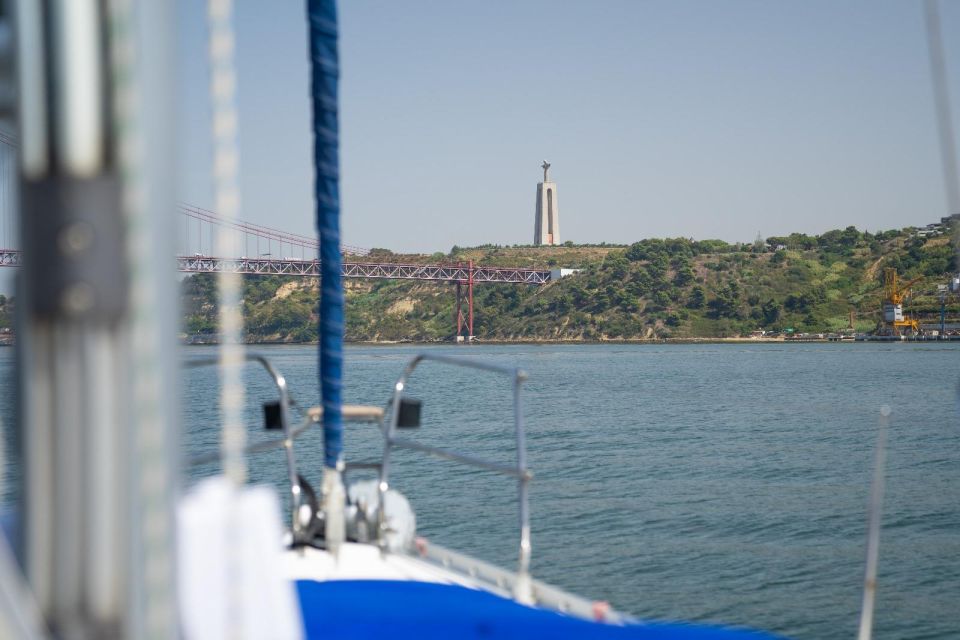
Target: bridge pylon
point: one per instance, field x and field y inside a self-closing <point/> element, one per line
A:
<point x="460" y="322"/>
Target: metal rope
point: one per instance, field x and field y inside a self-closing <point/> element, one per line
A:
<point x="231" y="352"/>
<point x="941" y="95"/>
<point x="227" y="197"/>
<point x="151" y="432"/>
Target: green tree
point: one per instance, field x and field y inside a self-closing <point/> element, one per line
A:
<point x="726" y="302"/>
<point x="697" y="298"/>
<point x="684" y="275"/>
<point x="617" y="265"/>
<point x="771" y="312"/>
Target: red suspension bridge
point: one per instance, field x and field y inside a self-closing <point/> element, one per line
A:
<point x="269" y="251"/>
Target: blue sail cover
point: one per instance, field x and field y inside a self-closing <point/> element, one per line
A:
<point x="378" y="609"/>
<point x="325" y="73"/>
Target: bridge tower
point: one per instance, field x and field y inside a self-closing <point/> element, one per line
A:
<point x="460" y="322"/>
<point x="546" y="229"/>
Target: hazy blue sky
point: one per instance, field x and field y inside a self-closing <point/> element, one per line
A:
<point x="680" y="118"/>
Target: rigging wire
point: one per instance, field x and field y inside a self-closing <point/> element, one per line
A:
<point x="151" y="434"/>
<point x="873" y="527"/>
<point x="223" y="81"/>
<point x="948" y="158"/>
<point x="941" y="95"/>
<point x="227" y="197"/>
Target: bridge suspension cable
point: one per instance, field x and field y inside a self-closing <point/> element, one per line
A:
<point x="193" y="237"/>
<point x="262" y="232"/>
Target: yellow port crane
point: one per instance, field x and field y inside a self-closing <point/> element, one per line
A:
<point x="893" y="295"/>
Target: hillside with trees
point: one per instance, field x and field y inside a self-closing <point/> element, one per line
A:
<point x="651" y="289"/>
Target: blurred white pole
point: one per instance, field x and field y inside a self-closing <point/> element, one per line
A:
<point x="873" y="528"/>
<point x="223" y="81"/>
<point x="32" y="89"/>
<point x="223" y="86"/>
<point x="141" y="36"/>
<point x="80" y="128"/>
<point x="96" y="323"/>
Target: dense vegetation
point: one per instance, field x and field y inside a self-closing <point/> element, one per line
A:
<point x="6" y="318"/>
<point x="654" y="288"/>
<point x="276" y="308"/>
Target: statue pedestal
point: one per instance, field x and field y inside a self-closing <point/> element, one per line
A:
<point x="547" y="222"/>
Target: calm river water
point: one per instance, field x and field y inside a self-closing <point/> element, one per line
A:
<point x="722" y="483"/>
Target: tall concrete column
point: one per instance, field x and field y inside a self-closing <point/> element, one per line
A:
<point x="547" y="221"/>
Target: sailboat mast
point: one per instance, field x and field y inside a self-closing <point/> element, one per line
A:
<point x="96" y="416"/>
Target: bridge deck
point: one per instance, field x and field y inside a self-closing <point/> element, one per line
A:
<point x="311" y="268"/>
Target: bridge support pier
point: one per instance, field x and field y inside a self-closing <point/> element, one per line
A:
<point x="461" y="323"/>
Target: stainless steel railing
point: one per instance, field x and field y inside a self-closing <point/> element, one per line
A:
<point x="522" y="588"/>
<point x="286" y="442"/>
<point x="312" y="416"/>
